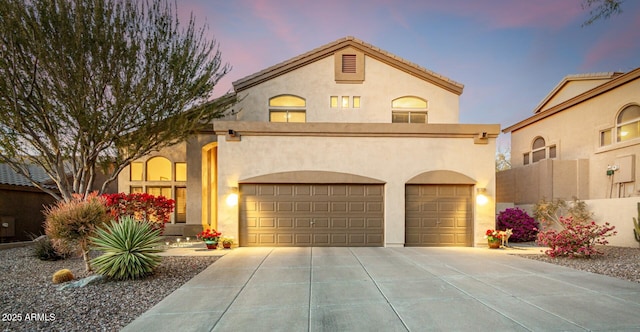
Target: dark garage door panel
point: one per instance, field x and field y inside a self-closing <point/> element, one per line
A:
<point x="311" y="215"/>
<point x="438" y="215"/>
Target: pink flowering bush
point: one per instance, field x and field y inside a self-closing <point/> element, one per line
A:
<point x="525" y="227"/>
<point x="576" y="238"/>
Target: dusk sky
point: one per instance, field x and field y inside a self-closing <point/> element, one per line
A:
<point x="509" y="54"/>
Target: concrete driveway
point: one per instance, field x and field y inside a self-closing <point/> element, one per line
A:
<point x="393" y="289"/>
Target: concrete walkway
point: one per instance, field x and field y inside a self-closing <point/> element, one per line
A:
<point x="393" y="289"/>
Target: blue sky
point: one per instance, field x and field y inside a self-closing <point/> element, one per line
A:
<point x="509" y="54"/>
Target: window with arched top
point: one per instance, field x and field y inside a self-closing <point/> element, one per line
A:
<point x="539" y="151"/>
<point x="628" y="123"/>
<point x="409" y="109"/>
<point x="159" y="169"/>
<point x="287" y="108"/>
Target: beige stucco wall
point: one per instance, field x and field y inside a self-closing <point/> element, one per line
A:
<point x="382" y="84"/>
<point x="575" y="132"/>
<point x="393" y="160"/>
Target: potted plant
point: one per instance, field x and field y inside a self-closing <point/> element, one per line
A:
<point x="210" y="238"/>
<point x="227" y="242"/>
<point x="493" y="238"/>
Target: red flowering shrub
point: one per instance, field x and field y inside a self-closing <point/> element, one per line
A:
<point x="525" y="228"/>
<point x="141" y="206"/>
<point x="576" y="238"/>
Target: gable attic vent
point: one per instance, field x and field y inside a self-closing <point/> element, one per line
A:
<point x="349" y="63"/>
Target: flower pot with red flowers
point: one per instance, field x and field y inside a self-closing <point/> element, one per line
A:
<point x="210" y="238"/>
<point x="493" y="239"/>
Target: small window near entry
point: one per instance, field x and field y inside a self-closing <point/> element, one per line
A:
<point x="356" y="102"/>
<point x="181" y="171"/>
<point x="136" y="171"/>
<point x="181" y="204"/>
<point x="525" y="159"/>
<point x="334" y="102"/>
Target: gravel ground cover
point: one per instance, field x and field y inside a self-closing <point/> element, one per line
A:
<point x="618" y="262"/>
<point x="26" y="289"/>
<point x="29" y="301"/>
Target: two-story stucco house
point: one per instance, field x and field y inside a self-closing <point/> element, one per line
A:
<point x="346" y="145"/>
<point x="583" y="140"/>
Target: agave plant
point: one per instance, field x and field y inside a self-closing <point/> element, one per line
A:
<point x="129" y="249"/>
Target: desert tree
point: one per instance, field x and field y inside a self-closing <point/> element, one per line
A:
<point x="601" y="9"/>
<point x="90" y="85"/>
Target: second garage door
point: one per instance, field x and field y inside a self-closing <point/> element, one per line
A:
<point x="312" y="215"/>
<point x="438" y="215"/>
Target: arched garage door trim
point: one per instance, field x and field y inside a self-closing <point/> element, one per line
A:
<point x="441" y="177"/>
<point x="311" y="177"/>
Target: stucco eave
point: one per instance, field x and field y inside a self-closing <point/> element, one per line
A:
<point x="243" y="128"/>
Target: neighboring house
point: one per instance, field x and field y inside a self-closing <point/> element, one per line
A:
<point x="583" y="140"/>
<point x="21" y="204"/>
<point x="346" y="145"/>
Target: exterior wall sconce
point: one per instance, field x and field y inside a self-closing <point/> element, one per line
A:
<point x="481" y="196"/>
<point x="232" y="199"/>
<point x="233" y="136"/>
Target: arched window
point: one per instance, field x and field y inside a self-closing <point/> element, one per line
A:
<point x="539" y="151"/>
<point x="158" y="169"/>
<point x="409" y="109"/>
<point x="287" y="108"/>
<point x="628" y="123"/>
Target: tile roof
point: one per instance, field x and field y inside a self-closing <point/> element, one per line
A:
<point x="9" y="177"/>
<point x="328" y="49"/>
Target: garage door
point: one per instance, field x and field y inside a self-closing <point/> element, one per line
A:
<point x="311" y="215"/>
<point x="438" y="215"/>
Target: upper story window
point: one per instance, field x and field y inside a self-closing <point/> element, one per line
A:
<point x="287" y="108"/>
<point x="345" y="101"/>
<point x="628" y="123"/>
<point x="539" y="151"/>
<point x="627" y="127"/>
<point x="409" y="110"/>
<point x="158" y="169"/>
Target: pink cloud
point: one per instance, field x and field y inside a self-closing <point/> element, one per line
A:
<point x="615" y="44"/>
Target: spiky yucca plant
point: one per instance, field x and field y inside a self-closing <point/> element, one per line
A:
<point x="130" y="249"/>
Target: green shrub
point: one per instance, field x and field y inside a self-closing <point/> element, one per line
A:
<point x="61" y="276"/>
<point x="44" y="250"/>
<point x="70" y="224"/>
<point x="129" y="249"/>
